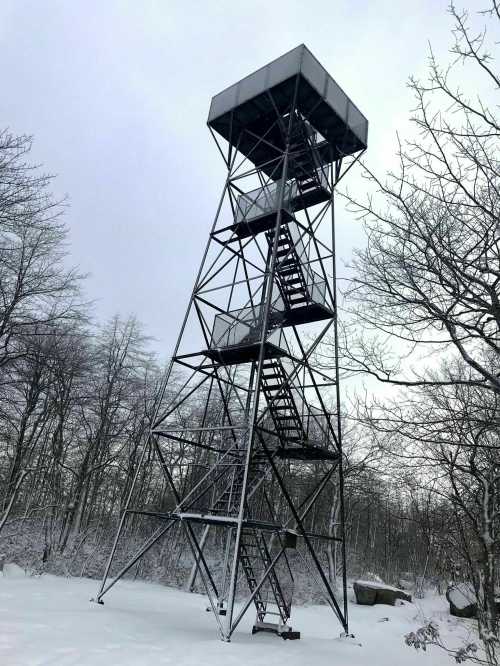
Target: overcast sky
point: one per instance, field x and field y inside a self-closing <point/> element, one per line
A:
<point x="116" y="95"/>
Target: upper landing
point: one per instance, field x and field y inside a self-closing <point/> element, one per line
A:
<point x="251" y="103"/>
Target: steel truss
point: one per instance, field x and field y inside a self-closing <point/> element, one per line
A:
<point x="263" y="437"/>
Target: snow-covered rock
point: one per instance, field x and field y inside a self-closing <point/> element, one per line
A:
<point x="369" y="593"/>
<point x="462" y="600"/>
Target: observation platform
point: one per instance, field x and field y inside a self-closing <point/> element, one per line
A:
<point x="307" y="314"/>
<point x="245" y="353"/>
<point x="207" y="517"/>
<point x="236" y="335"/>
<point x="306" y="453"/>
<point x="248" y="110"/>
<point x="256" y="210"/>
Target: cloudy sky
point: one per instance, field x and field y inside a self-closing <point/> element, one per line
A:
<point x="116" y="95"/>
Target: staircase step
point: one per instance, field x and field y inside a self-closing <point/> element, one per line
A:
<point x="291" y="281"/>
<point x="291" y="291"/>
<point x="282" y="402"/>
<point x="307" y="183"/>
<point x="272" y="387"/>
<point x="288" y="267"/>
<point x="277" y="378"/>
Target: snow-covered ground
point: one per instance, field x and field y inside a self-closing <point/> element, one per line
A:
<point x="49" y="621"/>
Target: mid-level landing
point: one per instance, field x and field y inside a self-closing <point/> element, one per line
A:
<point x="306" y="453"/>
<point x="247" y="352"/>
<point x="244" y="353"/>
<point x="257" y="210"/>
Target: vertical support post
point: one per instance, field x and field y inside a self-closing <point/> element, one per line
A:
<point x="337" y="387"/>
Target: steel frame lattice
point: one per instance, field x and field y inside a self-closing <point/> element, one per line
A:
<point x="263" y="439"/>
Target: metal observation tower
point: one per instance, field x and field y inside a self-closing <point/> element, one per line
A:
<point x="250" y="441"/>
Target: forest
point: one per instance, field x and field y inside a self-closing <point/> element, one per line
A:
<point x="420" y="318"/>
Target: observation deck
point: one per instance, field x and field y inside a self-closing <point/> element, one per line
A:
<point x="256" y="210"/>
<point x="236" y="336"/>
<point x="249" y="109"/>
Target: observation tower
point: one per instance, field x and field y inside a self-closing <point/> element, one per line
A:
<point x="247" y="434"/>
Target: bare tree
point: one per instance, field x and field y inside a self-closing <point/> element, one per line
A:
<point x="36" y="288"/>
<point x="106" y="413"/>
<point x="447" y="437"/>
<point x="429" y="275"/>
<point x="425" y="299"/>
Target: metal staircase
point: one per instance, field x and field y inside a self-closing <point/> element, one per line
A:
<point x="304" y="161"/>
<point x="289" y="270"/>
<point x="281" y="403"/>
<point x="255" y="559"/>
<point x="229" y="500"/>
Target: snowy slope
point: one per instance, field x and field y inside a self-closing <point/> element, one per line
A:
<point x="49" y="621"/>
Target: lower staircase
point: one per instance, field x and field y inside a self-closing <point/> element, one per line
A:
<point x="255" y="557"/>
<point x="255" y="560"/>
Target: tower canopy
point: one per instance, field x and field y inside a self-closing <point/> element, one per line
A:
<point x="256" y="101"/>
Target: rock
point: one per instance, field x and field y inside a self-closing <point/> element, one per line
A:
<point x="365" y="595"/>
<point x="462" y="600"/>
<point x="369" y="593"/>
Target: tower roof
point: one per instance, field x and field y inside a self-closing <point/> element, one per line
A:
<point x="250" y="103"/>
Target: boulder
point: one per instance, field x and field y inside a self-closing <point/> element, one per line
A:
<point x="462" y="600"/>
<point x="369" y="593"/>
<point x="365" y="595"/>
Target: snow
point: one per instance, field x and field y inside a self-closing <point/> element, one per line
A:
<point x="378" y="586"/>
<point x="13" y="570"/>
<point x="49" y="621"/>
